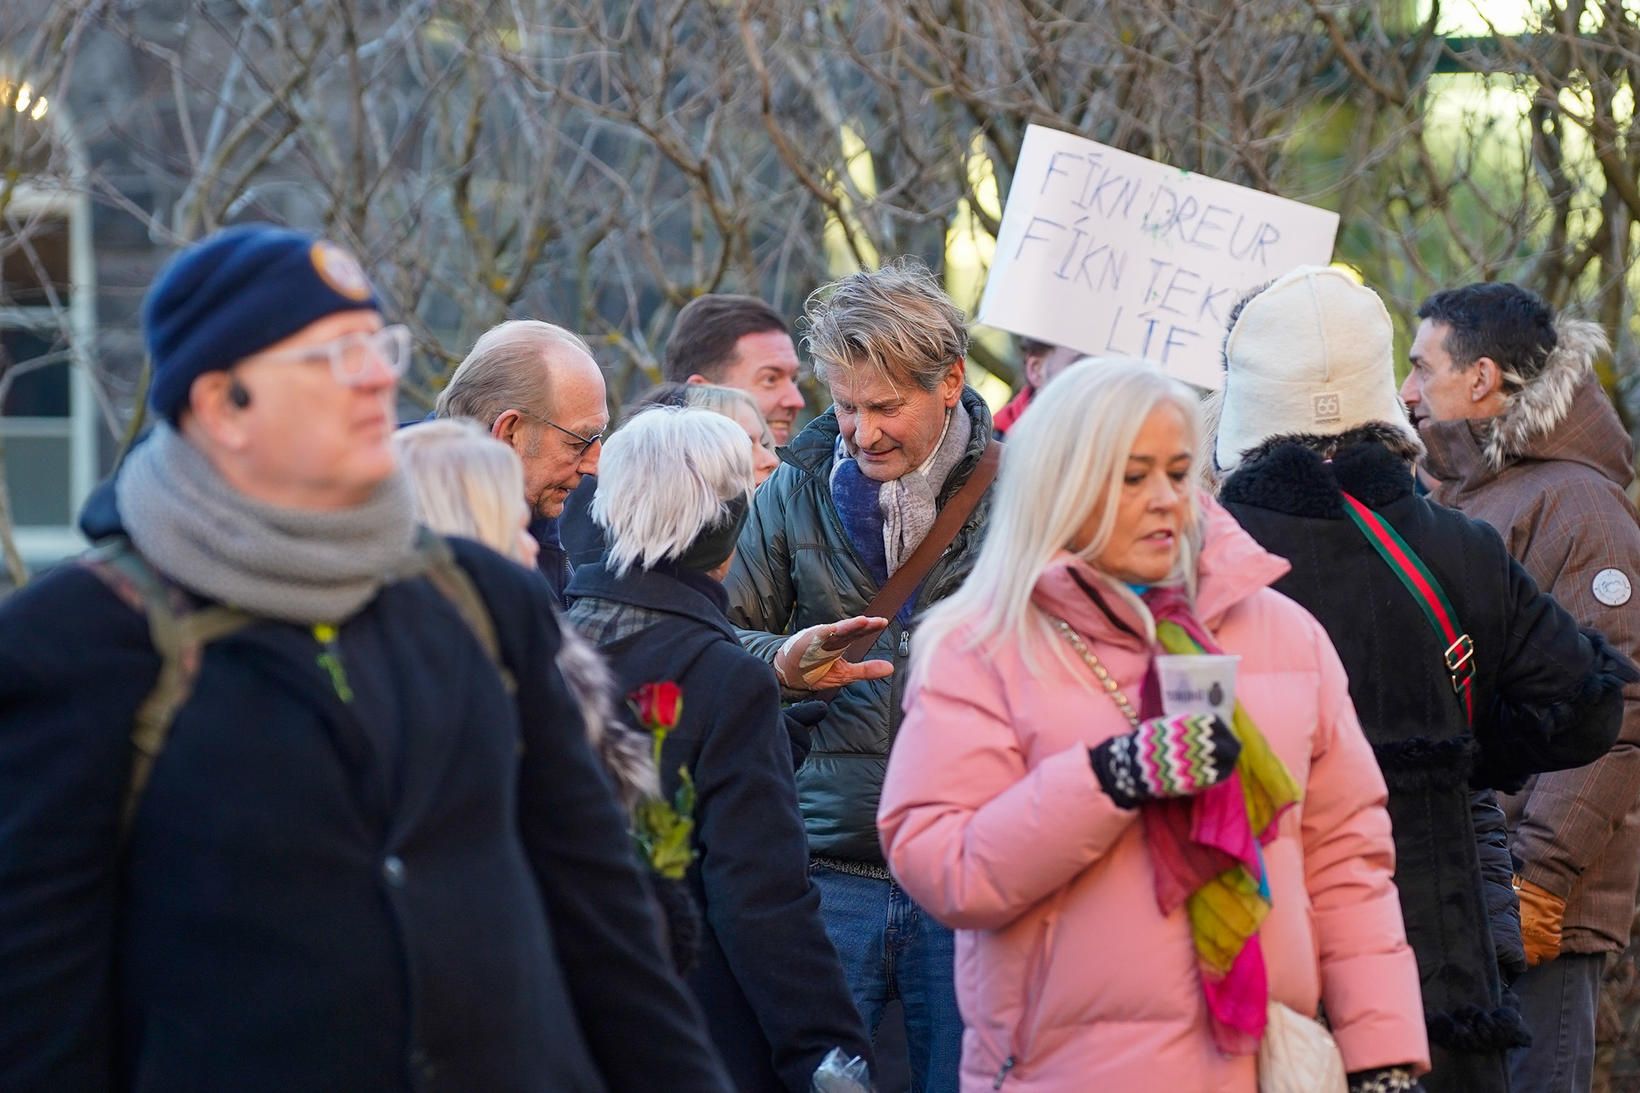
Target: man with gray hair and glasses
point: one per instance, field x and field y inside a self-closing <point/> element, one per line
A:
<point x="844" y="545"/>
<point x="536" y="388"/>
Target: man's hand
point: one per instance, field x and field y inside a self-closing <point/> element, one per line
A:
<point x="1541" y="914"/>
<point x="811" y="660"/>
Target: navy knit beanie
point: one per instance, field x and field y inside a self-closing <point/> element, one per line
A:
<point x="236" y="293"/>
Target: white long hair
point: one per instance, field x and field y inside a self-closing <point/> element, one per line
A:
<point x="1065" y="459"/>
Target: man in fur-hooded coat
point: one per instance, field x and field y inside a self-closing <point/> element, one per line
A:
<point x="1309" y="416"/>
<point x="1521" y="435"/>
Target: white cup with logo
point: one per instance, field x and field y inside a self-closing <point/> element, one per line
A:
<point x="1198" y="684"/>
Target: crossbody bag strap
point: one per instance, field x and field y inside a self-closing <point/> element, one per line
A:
<point x="1430" y="596"/>
<point x="904" y="582"/>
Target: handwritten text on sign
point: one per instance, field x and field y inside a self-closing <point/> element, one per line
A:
<point x="1116" y="255"/>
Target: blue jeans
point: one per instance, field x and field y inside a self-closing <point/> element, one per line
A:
<point x="891" y="948"/>
<point x="1558" y="999"/>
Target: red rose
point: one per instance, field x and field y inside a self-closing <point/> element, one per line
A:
<point x="658" y="705"/>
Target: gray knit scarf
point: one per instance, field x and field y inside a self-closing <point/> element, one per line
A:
<point x="293" y="565"/>
<point x="910" y="503"/>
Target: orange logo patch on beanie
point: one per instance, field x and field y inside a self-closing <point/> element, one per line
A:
<point x="340" y="270"/>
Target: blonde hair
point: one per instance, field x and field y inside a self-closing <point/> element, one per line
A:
<point x="464" y="482"/>
<point x="896" y="319"/>
<point x="1065" y="460"/>
<point x="728" y="401"/>
<point x="665" y="477"/>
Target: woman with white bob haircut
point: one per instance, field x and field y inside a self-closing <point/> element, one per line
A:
<point x="673" y="490"/>
<point x="1141" y="889"/>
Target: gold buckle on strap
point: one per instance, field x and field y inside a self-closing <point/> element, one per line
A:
<point x="1460" y="661"/>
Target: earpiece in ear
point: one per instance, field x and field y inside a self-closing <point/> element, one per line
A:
<point x="238" y="395"/>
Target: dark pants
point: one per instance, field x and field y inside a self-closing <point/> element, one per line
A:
<point x="891" y="949"/>
<point x="1558" y="999"/>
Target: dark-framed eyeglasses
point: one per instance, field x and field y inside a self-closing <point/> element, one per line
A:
<point x="582" y="443"/>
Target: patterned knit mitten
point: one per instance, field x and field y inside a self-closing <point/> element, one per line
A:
<point x="1165" y="757"/>
<point x="1391" y="1079"/>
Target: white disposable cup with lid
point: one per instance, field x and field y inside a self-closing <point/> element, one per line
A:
<point x="1205" y="683"/>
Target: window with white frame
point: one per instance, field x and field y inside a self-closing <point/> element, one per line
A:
<point x="48" y="416"/>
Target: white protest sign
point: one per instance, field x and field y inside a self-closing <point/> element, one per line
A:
<point x="1113" y="254"/>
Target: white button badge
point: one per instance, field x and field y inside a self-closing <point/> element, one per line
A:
<point x="1612" y="587"/>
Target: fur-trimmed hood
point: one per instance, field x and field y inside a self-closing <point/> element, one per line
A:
<point x="1286" y="474"/>
<point x="1536" y="412"/>
<point x="1561" y="414"/>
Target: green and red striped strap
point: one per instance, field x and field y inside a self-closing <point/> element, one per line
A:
<point x="1410" y="568"/>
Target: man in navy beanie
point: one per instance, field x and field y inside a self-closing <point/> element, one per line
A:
<point x="292" y="796"/>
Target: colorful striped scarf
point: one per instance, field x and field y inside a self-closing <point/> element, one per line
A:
<point x="1207" y="853"/>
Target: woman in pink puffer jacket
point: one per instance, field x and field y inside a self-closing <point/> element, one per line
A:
<point x="1049" y="821"/>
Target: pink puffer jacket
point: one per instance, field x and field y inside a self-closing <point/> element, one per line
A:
<point x="992" y="820"/>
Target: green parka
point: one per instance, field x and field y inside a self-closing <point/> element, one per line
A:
<point x="795" y="568"/>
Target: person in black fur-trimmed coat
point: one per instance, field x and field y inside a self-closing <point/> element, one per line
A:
<point x="1308" y="413"/>
<point x="673" y="495"/>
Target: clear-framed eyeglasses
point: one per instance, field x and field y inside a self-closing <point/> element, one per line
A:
<point x="352" y="355"/>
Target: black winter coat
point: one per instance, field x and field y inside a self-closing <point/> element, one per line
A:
<point x="583" y="540"/>
<point x="1498" y="869"/>
<point x="1547" y="697"/>
<point x="768" y="977"/>
<point x="427" y="887"/>
<point x="553" y="559"/>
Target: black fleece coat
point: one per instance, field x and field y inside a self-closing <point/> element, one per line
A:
<point x="426" y="887"/>
<point x="1547" y="697"/>
<point x="768" y="978"/>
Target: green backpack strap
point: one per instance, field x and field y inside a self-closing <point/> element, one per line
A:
<point x="179" y="632"/>
<point x="438" y="564"/>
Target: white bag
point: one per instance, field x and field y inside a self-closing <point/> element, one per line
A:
<point x="1298" y="1055"/>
